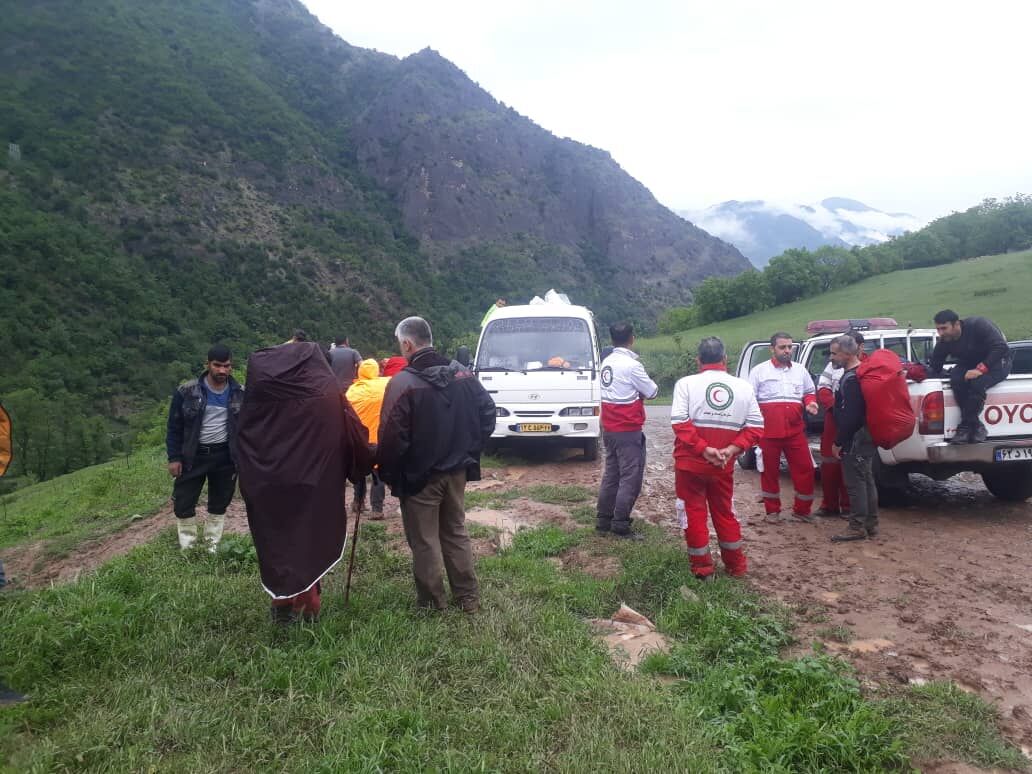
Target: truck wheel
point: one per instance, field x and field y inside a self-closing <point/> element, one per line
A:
<point x="892" y="484"/>
<point x="1009" y="482"/>
<point x="590" y="449"/>
<point x="747" y="459"/>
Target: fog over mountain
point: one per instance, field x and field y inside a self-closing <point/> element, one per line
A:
<point x="762" y="229"/>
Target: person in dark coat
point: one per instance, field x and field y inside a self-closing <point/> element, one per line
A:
<point x="295" y="454"/>
<point x="435" y="419"/>
<point x="982" y="361"/>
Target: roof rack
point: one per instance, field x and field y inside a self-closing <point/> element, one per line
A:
<point x="817" y="327"/>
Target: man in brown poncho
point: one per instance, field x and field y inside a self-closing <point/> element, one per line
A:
<point x="299" y="441"/>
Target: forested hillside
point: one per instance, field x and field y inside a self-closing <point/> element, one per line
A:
<point x="178" y="172"/>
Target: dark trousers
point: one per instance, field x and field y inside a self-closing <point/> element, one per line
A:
<point x="857" y="470"/>
<point x="435" y="528"/>
<point x="970" y="395"/>
<point x="218" y="470"/>
<point x="621" y="479"/>
<point x="377" y="493"/>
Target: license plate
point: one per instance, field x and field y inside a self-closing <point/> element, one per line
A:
<point x="531" y="428"/>
<point x="1012" y="453"/>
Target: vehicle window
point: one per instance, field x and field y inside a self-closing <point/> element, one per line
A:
<point x="921" y="348"/>
<point x="818" y="359"/>
<point x="536" y="344"/>
<point x="897" y="344"/>
<point x="1022" y="360"/>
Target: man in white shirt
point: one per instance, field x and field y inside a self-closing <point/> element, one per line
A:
<point x="625" y="388"/>
<point x="785" y="390"/>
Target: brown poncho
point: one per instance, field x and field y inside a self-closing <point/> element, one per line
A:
<point x="293" y="461"/>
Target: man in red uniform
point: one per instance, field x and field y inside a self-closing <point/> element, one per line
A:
<point x="784" y="389"/>
<point x="836" y="499"/>
<point x="715" y="417"/>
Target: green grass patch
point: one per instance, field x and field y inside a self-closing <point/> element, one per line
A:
<point x="583" y="514"/>
<point x="87" y="503"/>
<point x="542" y="493"/>
<point x="940" y="721"/>
<point x="165" y="662"/>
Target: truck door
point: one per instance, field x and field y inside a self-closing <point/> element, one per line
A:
<point x="753" y="352"/>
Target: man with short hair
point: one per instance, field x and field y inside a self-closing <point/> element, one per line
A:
<point x="853" y="444"/>
<point x="784" y="390"/>
<point x="435" y="420"/>
<point x="625" y="388"/>
<point x="201" y="445"/>
<point x="835" y="502"/>
<point x="345" y="362"/>
<point x="715" y="417"/>
<point x="982" y="361"/>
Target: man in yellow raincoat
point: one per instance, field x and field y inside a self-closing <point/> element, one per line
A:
<point x="366" y="396"/>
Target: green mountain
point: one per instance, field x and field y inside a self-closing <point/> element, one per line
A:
<point x="174" y="173"/>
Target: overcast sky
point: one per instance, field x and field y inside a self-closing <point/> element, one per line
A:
<point x="911" y="106"/>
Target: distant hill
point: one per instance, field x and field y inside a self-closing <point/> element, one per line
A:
<point x="174" y="172"/>
<point x="762" y="230"/>
<point x="996" y="286"/>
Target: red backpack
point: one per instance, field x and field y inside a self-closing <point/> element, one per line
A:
<point x="890" y="417"/>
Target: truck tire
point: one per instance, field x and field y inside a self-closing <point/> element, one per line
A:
<point x="1009" y="482"/>
<point x="747" y="459"/>
<point x="590" y="447"/>
<point x="892" y="484"/>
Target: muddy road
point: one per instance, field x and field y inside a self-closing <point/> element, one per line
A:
<point x="943" y="592"/>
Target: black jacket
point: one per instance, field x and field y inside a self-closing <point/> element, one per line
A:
<point x="850" y="409"/>
<point x="185" y="415"/>
<point x="980" y="342"/>
<point x="435" y="418"/>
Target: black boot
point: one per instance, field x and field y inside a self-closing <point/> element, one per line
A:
<point x="963" y="435"/>
<point x="979" y="434"/>
<point x="603" y="524"/>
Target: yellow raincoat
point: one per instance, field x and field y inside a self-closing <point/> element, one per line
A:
<point x="366" y="396"/>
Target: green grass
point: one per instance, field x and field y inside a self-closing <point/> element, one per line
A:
<point x="995" y="286"/>
<point x="555" y="494"/>
<point x="87" y="503"/>
<point x="162" y="662"/>
<point x="939" y="720"/>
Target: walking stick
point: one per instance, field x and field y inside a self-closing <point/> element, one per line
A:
<point x="351" y="564"/>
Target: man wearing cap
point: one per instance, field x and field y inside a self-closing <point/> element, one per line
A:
<point x="201" y="445"/>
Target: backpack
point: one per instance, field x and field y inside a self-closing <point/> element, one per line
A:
<point x="890" y="417"/>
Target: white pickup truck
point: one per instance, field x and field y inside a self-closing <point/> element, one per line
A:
<point x="1004" y="461"/>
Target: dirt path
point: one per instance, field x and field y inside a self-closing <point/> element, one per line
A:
<point x="30" y="566"/>
<point x="944" y="591"/>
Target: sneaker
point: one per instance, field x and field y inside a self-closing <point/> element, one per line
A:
<point x="872" y="532"/>
<point x="963" y="435"/>
<point x="850" y="535"/>
<point x="636" y="536"/>
<point x="470" y="606"/>
<point x="829" y="513"/>
<point x="774" y="518"/>
<point x="801" y="519"/>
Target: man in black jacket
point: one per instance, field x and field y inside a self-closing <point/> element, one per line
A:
<point x="982" y="361"/>
<point x="853" y="444"/>
<point x="434" y="421"/>
<point x="201" y="446"/>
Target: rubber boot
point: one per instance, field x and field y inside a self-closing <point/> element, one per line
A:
<point x="187" y="532"/>
<point x="213" y="531"/>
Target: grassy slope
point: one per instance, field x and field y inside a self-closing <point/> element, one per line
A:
<point x="996" y="286"/>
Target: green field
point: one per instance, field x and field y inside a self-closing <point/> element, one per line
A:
<point x="998" y="287"/>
